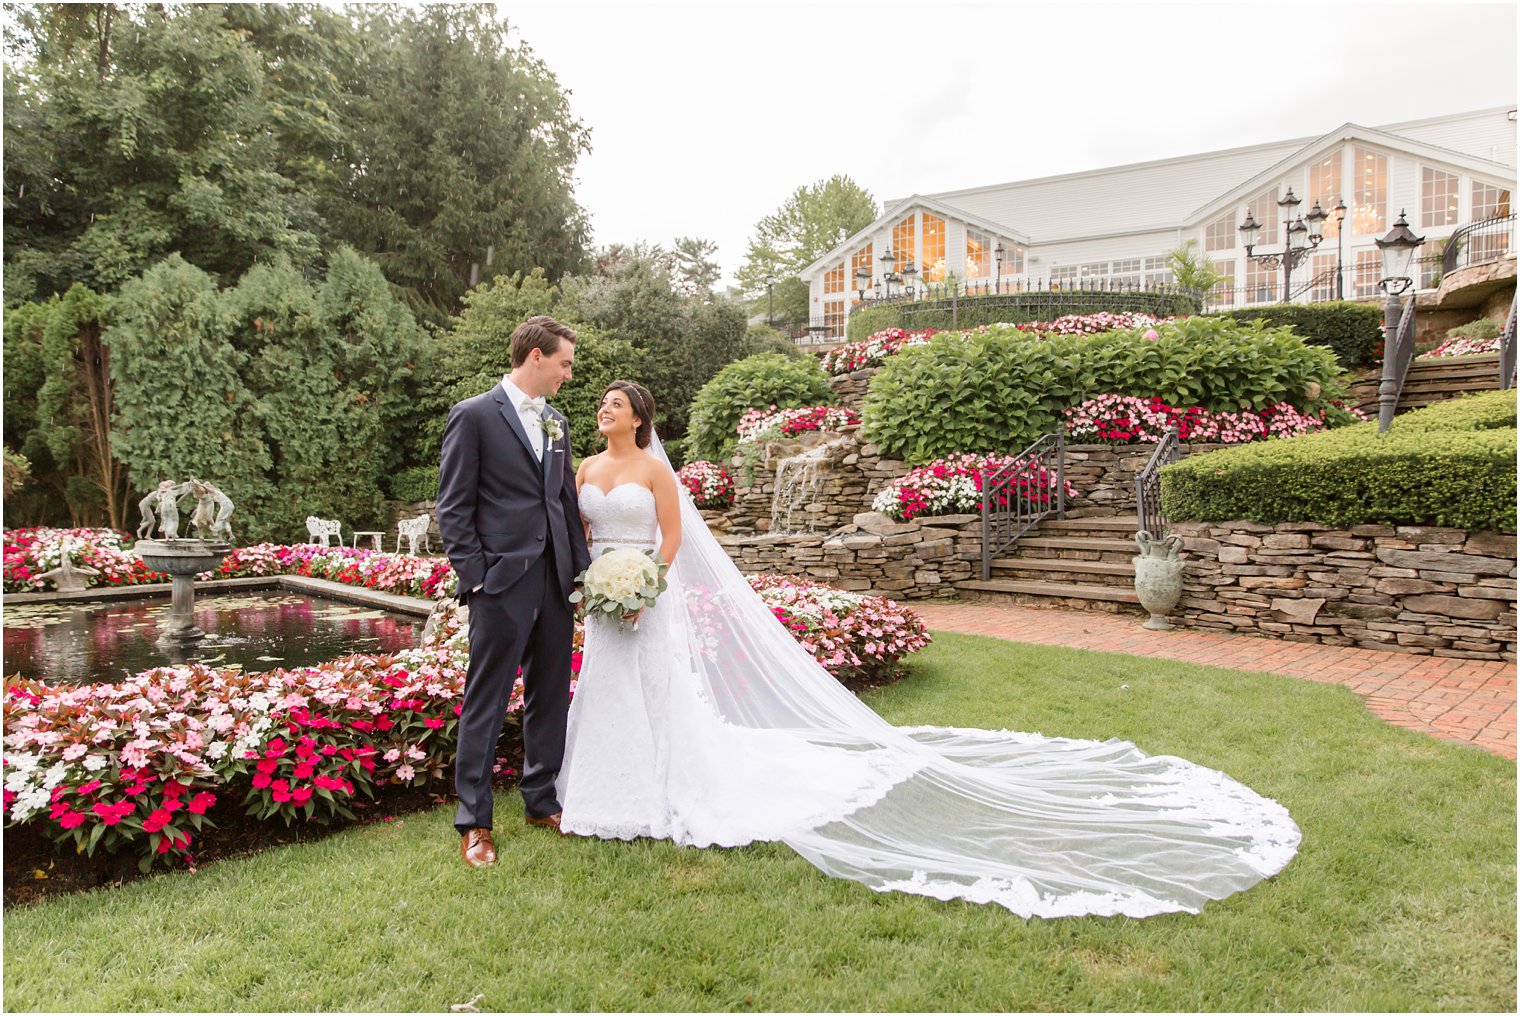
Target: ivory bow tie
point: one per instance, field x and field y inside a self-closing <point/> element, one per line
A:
<point x="536" y="405"/>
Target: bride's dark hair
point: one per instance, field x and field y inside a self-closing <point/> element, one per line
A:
<point x="642" y="404"/>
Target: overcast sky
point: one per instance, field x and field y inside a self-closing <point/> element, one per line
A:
<point x="705" y="117"/>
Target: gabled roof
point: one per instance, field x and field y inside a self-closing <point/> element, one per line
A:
<point x="897" y="210"/>
<point x="1342" y="134"/>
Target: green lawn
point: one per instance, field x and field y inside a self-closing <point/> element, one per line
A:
<point x="1403" y="896"/>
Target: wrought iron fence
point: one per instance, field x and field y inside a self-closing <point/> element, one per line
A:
<point x="1020" y="494"/>
<point x="1148" y="484"/>
<point x="1479" y="242"/>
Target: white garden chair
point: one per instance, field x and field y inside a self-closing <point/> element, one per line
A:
<point x="413" y="530"/>
<point x="319" y="531"/>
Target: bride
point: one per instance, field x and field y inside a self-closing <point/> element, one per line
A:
<point x="701" y="720"/>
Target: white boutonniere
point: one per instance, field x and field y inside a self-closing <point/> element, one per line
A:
<point x="552" y="428"/>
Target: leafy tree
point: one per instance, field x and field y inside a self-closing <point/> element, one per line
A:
<point x="183" y="407"/>
<point x="61" y="400"/>
<point x="144" y="142"/>
<point x="463" y="149"/>
<point x="696" y="272"/>
<point x="811" y="222"/>
<point x="1192" y="269"/>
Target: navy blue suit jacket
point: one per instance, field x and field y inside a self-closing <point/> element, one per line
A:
<point x="498" y="506"/>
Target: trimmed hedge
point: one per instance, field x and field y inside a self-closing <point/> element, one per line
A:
<point x="1448" y="465"/>
<point x="998" y="390"/>
<point x="1353" y="330"/>
<point x="1011" y="308"/>
<point x="756" y="382"/>
<point x="417" y="483"/>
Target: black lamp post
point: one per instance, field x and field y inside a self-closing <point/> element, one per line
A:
<point x="1301" y="238"/>
<point x="862" y="281"/>
<point x="908" y="272"/>
<point x="1340" y="231"/>
<point x="888" y="276"/>
<point x="997" y="278"/>
<point x="770" y="300"/>
<point x="1397" y="250"/>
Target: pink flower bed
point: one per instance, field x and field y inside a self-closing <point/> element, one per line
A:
<point x="28" y="553"/>
<point x="138" y="765"/>
<point x="1462" y="347"/>
<point x="770" y="424"/>
<point x="855" y="637"/>
<point x="709" y="483"/>
<point x="1127" y="419"/>
<point x="953" y="486"/>
<point x="872" y="351"/>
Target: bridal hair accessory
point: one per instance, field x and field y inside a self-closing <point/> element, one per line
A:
<point x="621" y="581"/>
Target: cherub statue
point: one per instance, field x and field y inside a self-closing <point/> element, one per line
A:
<point x="166" y="499"/>
<point x="213" y="509"/>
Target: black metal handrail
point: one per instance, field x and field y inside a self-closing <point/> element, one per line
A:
<point x="1148" y="484"/>
<point x="1398" y="354"/>
<point x="1019" y="495"/>
<point x="1507" y="350"/>
<point x="1479" y="242"/>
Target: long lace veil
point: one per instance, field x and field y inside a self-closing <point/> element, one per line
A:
<point x="1041" y="825"/>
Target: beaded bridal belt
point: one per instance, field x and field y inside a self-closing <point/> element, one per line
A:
<point x="623" y="543"/>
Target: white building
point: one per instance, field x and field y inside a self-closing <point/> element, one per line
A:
<point x="1116" y="226"/>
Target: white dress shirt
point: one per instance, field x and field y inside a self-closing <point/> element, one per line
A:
<point x="531" y="416"/>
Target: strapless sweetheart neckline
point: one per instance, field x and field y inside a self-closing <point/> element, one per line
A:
<point x="616" y="487"/>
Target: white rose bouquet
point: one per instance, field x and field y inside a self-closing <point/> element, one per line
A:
<point x="621" y="581"/>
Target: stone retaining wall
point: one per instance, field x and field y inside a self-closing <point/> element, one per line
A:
<point x="904" y="560"/>
<point x="1415" y="589"/>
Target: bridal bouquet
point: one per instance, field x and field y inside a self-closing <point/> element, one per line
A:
<point x="621" y="581"/>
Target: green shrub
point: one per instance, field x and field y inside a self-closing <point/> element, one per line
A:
<point x="1485" y="411"/>
<point x="1010" y="308"/>
<point x="1352" y="330"/>
<point x="999" y="390"/>
<point x="1482" y="328"/>
<point x="752" y="383"/>
<point x="1353" y="476"/>
<point x="764" y="339"/>
<point x="417" y="483"/>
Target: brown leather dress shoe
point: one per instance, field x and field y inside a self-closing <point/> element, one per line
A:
<point x="477" y="848"/>
<point x="552" y="821"/>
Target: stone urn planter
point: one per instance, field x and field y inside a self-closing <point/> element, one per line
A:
<point x="1158" y="577"/>
<point x="181" y="560"/>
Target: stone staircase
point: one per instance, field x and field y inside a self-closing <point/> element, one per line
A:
<point x="1081" y="562"/>
<point x="1431" y="381"/>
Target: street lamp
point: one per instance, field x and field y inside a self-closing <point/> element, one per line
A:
<point x="997" y="256"/>
<point x="908" y="272"/>
<point x="888" y="276"/>
<point x="862" y="281"/>
<point x="1300" y="238"/>
<point x="770" y="297"/>
<point x="1397" y="250"/>
<point x="1340" y="230"/>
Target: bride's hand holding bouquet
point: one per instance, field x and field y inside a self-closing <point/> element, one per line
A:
<point x="621" y="581"/>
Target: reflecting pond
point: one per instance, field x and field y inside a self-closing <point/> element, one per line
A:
<point x="105" y="641"/>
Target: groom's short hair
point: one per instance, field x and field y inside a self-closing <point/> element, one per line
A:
<point x="539" y="332"/>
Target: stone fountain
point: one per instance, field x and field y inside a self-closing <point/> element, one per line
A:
<point x="798" y="481"/>
<point x="184" y="558"/>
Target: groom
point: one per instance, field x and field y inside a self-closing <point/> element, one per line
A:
<point x="512" y="528"/>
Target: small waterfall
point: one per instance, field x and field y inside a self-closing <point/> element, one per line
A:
<point x="798" y="480"/>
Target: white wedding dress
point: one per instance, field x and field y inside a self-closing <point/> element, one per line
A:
<point x="710" y="726"/>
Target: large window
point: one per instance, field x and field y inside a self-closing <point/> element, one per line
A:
<point x="1013" y="259"/>
<point x="1325" y="188"/>
<point x="1323" y="268"/>
<point x="1365" y="275"/>
<point x="861" y="259"/>
<point x="1438" y="197"/>
<point x="1489" y="201"/>
<point x="933" y="268"/>
<point x="1063" y="275"/>
<point x="833" y="280"/>
<point x="1265" y="211"/>
<point x="1427" y="264"/>
<point x="1261" y="283"/>
<point x="904" y="243"/>
<point x="1158" y="271"/>
<point x="1224" y="290"/>
<point x="1220" y="234"/>
<point x="978" y="255"/>
<point x="833" y="318"/>
<point x="1126" y="274"/>
<point x="1369" y="200"/>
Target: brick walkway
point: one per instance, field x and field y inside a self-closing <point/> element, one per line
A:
<point x="1457" y="700"/>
